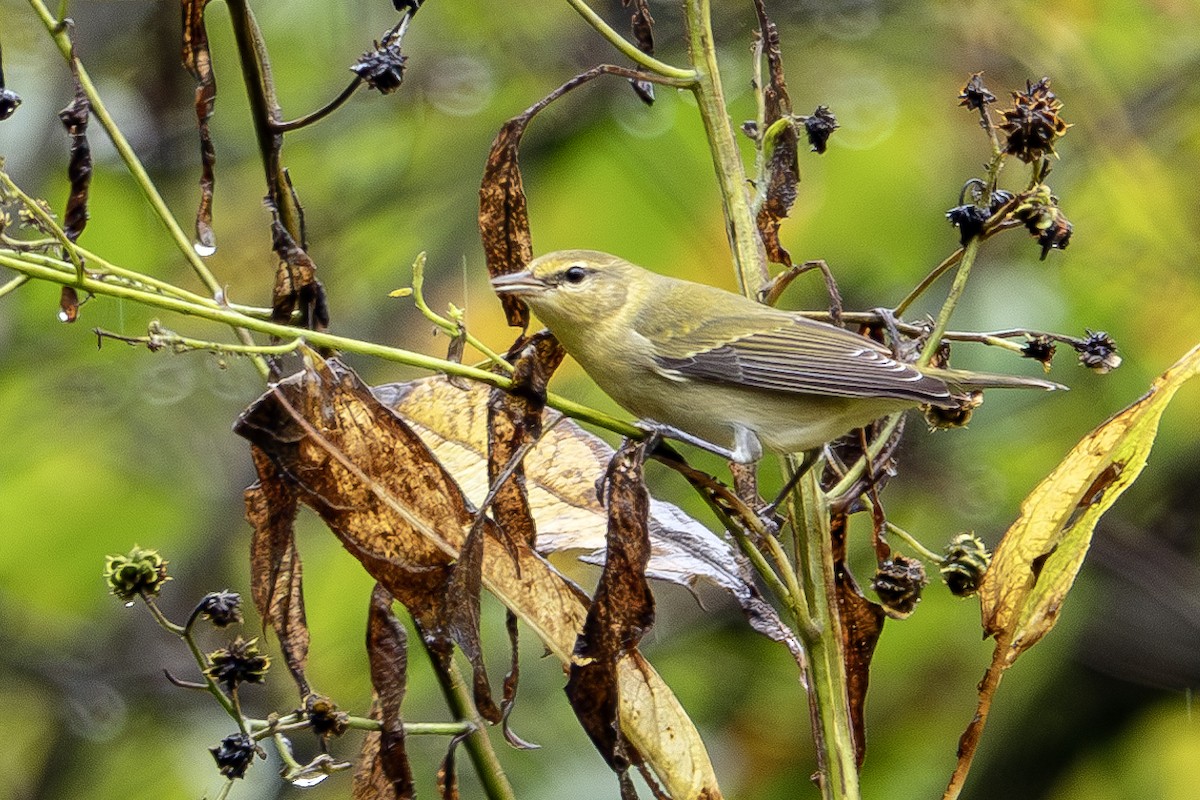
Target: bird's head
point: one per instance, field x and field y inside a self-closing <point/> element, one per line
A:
<point x="572" y="287"/>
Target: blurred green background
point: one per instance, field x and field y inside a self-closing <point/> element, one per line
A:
<point x="107" y="448"/>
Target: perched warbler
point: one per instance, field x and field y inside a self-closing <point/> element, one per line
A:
<point x="722" y="368"/>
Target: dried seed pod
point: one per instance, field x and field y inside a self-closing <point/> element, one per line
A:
<point x="234" y="754"/>
<point x="975" y="95"/>
<point x="966" y="562"/>
<point x="240" y="662"/>
<point x="382" y="68"/>
<point x="898" y="583"/>
<point x="819" y="126"/>
<point x="1039" y="348"/>
<point x="324" y="716"/>
<point x="222" y="608"/>
<point x="969" y="219"/>
<point x="1033" y="125"/>
<point x="956" y="417"/>
<point x="1098" y="352"/>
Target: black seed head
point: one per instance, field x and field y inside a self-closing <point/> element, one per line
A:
<point x="966" y="562"/>
<point x="382" y="68"/>
<point x="240" y="662"/>
<point x="222" y="608"/>
<point x="898" y="583"/>
<point x="234" y="754"/>
<point x="975" y="95"/>
<point x="1098" y="352"/>
<point x="819" y="127"/>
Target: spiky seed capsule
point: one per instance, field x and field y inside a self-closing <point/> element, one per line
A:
<point x="234" y="754"/>
<point x="819" y="127"/>
<point x="1033" y="124"/>
<point x="222" y="608"/>
<point x="240" y="662"/>
<point x="957" y="417"/>
<point x="898" y="583"/>
<point x="966" y="562"/>
<point x="969" y="219"/>
<point x="324" y="716"/>
<point x="1098" y="352"/>
<point x="975" y="95"/>
<point x="1039" y="348"/>
<point x="141" y="571"/>
<point x="382" y="68"/>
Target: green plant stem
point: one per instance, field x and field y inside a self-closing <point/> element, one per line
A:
<point x="952" y="298"/>
<point x="13" y="285"/>
<point x="478" y="744"/>
<point x="748" y="254"/>
<point x="451" y="328"/>
<point x="48" y="222"/>
<point x="227" y="316"/>
<point x="100" y="269"/>
<point x="618" y="41"/>
<point x="265" y="113"/>
<point x="826" y="667"/>
<point x="186" y="635"/>
<point x="59" y="34"/>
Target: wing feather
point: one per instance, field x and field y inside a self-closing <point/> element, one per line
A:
<point x="798" y="356"/>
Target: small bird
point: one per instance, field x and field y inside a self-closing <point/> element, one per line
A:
<point x="719" y="367"/>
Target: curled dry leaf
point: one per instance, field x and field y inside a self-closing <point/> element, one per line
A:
<point x="514" y="425"/>
<point x="383" y="763"/>
<point x="503" y="211"/>
<point x="862" y="624"/>
<point x="296" y="284"/>
<point x="504" y="215"/>
<point x="197" y="60"/>
<point x="79" y="168"/>
<point x="396" y="508"/>
<point x="783" y="168"/>
<point x="1036" y="562"/>
<point x="560" y="475"/>
<point x="276" y="574"/>
<point x="622" y="611"/>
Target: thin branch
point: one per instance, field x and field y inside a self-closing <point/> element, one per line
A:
<point x="228" y="316"/>
<point x="687" y="76"/>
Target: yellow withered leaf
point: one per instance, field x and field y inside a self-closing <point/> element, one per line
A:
<point x="1040" y="555"/>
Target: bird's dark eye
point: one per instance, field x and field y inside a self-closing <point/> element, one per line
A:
<point x="575" y="274"/>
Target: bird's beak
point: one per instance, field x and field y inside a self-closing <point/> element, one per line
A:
<point x="518" y="283"/>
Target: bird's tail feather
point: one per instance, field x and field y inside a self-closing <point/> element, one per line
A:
<point x="966" y="380"/>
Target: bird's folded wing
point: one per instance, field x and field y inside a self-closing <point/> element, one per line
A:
<point x="798" y="356"/>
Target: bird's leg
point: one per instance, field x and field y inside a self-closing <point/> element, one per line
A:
<point x="653" y="428"/>
<point x="808" y="459"/>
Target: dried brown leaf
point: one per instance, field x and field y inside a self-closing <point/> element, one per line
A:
<point x="387" y="649"/>
<point x="197" y="60"/>
<point x="276" y="574"/>
<point x="296" y="284"/>
<point x="622" y="611"/>
<point x="514" y="425"/>
<point x="503" y="210"/>
<point x="68" y="304"/>
<point x="399" y="512"/>
<point x="79" y="168"/>
<point x="504" y="215"/>
<point x="560" y="475"/>
<point x="862" y="624"/>
<point x="377" y="487"/>
<point x="783" y="168"/>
